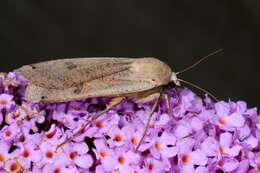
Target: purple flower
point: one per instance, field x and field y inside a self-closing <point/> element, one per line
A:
<point x="124" y="161"/>
<point x="6" y="101"/>
<point x="183" y="129"/>
<point x="77" y="153"/>
<point x="195" y="136"/>
<point x="164" y="146"/>
<point x="214" y="148"/>
<point x="152" y="165"/>
<point x="27" y="154"/>
<point x="105" y="155"/>
<point x="225" y="118"/>
<point x="9" y="133"/>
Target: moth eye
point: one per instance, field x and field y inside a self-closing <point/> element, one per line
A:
<point x="43" y="97"/>
<point x="153" y="80"/>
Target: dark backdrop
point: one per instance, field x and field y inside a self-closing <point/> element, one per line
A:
<point x="179" y="32"/>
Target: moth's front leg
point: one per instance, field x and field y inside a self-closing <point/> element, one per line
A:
<point x="156" y="97"/>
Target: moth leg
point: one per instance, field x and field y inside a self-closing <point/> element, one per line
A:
<point x="156" y="103"/>
<point x="168" y="104"/>
<point x="114" y="102"/>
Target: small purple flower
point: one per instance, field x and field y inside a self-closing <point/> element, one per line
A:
<point x="77" y="154"/>
<point x="9" y="133"/>
<point x="27" y="154"/>
<point x="189" y="159"/>
<point x="164" y="146"/>
<point x="226" y="119"/>
<point x="183" y="129"/>
<point x="6" y="101"/>
<point x="152" y="165"/>
<point x="125" y="161"/>
<point x="105" y="155"/>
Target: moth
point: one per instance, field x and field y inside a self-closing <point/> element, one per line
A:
<point x="63" y="80"/>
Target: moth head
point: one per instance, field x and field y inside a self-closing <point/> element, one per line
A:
<point x="175" y="79"/>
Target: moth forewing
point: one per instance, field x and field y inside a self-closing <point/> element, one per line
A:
<point x="80" y="78"/>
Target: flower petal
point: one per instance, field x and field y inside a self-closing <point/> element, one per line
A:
<point x="198" y="157"/>
<point x="84" y="161"/>
<point x="235" y="120"/>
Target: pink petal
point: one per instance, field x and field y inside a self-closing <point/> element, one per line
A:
<point x="170" y="152"/>
<point x="230" y="165"/>
<point x="251" y="141"/>
<point x="164" y="119"/>
<point x="185" y="145"/>
<point x="235" y="120"/>
<point x="241" y="106"/>
<point x="225" y="139"/>
<point x="196" y="124"/>
<point x="182" y="130"/>
<point x="167" y="139"/>
<point x="109" y="163"/>
<point x="100" y="169"/>
<point x="198" y="157"/>
<point x="234" y="151"/>
<point x="243" y="132"/>
<point x="201" y="169"/>
<point x="84" y="161"/>
<point x="222" y="108"/>
<point x="188" y="169"/>
<point x="243" y="166"/>
<point x="210" y="146"/>
<point x="81" y="148"/>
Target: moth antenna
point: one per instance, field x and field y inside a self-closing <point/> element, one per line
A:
<point x="196" y="86"/>
<point x="199" y="61"/>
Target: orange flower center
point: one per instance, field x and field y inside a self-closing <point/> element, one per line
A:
<point x="134" y="141"/>
<point x="57" y="170"/>
<point x="3" y="102"/>
<point x="22" y="138"/>
<point x="25" y="153"/>
<point x="2" y="158"/>
<point x="222" y="149"/>
<point x="99" y="125"/>
<point x="150" y="166"/>
<point x="50" y="134"/>
<point x="222" y="121"/>
<point x="185" y="159"/>
<point x="121" y="160"/>
<point x="49" y="154"/>
<point x="73" y="155"/>
<point x="258" y="167"/>
<point x="158" y="146"/>
<point x="8" y="133"/>
<point x="103" y="154"/>
<point x="118" y="138"/>
<point x="14" y="167"/>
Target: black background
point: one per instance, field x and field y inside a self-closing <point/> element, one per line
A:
<point x="179" y="32"/>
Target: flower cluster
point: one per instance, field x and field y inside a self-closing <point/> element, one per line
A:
<point x="194" y="136"/>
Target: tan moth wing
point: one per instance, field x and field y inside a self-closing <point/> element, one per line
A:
<point x="79" y="78"/>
